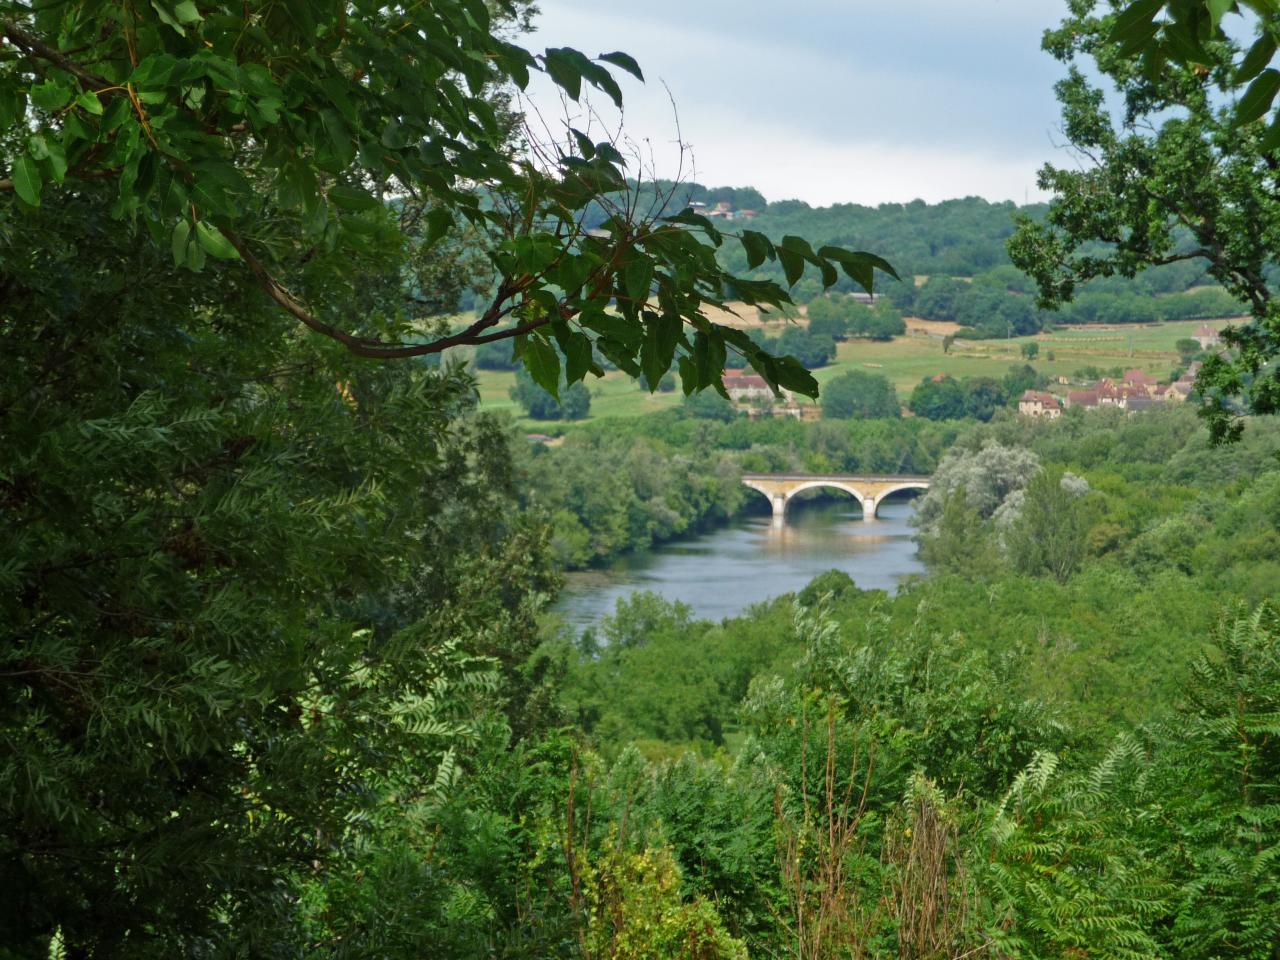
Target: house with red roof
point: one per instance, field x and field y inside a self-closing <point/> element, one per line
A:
<point x="1033" y="403"/>
<point x="1086" y="399"/>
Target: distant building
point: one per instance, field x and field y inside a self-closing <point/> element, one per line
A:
<point x="1138" y="404"/>
<point x="744" y="387"/>
<point x="1086" y="399"/>
<point x="1207" y="337"/>
<point x="1140" y="380"/>
<point x="723" y="210"/>
<point x="1112" y="394"/>
<point x="1036" y="404"/>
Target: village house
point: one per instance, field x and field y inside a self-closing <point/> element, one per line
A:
<point x="1085" y="399"/>
<point x="1036" y="404"/>
<point x="744" y="387"/>
<point x="1140" y="380"/>
<point x="1207" y="337"/>
<point x="1112" y="394"/>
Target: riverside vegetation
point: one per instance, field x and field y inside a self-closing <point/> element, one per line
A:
<point x="277" y="677"/>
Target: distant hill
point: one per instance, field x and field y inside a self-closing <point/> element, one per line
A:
<point x="953" y="260"/>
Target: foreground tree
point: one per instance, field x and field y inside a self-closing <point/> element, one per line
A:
<point x="1182" y="174"/>
<point x="250" y="581"/>
<point x="262" y="134"/>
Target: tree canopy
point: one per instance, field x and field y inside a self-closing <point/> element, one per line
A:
<point x="1182" y="174"/>
<point x="261" y="133"/>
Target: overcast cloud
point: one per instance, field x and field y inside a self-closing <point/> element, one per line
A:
<point x="835" y="100"/>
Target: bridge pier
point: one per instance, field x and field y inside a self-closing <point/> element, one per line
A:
<point x="779" y="511"/>
<point x="868" y="509"/>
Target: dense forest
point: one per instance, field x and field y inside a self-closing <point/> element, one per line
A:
<point x="956" y="254"/>
<point x="954" y="260"/>
<point x="281" y="670"/>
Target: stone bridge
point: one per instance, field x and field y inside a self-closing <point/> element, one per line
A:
<point x="870" y="491"/>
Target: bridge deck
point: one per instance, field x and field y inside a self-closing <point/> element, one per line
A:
<point x="842" y="477"/>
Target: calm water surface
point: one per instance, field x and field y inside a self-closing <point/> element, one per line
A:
<point x="721" y="573"/>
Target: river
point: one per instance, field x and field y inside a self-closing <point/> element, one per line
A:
<point x="720" y="573"/>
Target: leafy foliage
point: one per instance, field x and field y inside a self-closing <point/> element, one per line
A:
<point x="1136" y="206"/>
<point x="861" y="396"/>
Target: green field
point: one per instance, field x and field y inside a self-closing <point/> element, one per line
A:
<point x="908" y="360"/>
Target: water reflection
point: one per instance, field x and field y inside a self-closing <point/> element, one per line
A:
<point x="721" y="573"/>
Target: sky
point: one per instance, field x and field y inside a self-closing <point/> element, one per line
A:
<point x="829" y="101"/>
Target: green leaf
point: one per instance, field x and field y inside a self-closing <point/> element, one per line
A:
<point x="214" y="243"/>
<point x="801" y="246"/>
<point x="1259" y="55"/>
<point x="688" y="376"/>
<point x="543" y="364"/>
<point x="662" y="334"/>
<point x="585" y="146"/>
<point x="792" y="265"/>
<point x="90" y="103"/>
<point x="603" y="80"/>
<point x="1135" y="21"/>
<point x="565" y="69"/>
<point x="52" y="153"/>
<point x="611" y="326"/>
<point x="576" y="348"/>
<point x="195" y="257"/>
<point x="790" y="374"/>
<point x="75" y="128"/>
<point x="1219" y="9"/>
<point x="181" y="237"/>
<point x="439" y="222"/>
<point x="859" y="266"/>
<point x="50" y="95"/>
<point x="352" y="198"/>
<point x="186" y="12"/>
<point x="26" y="180"/>
<point x="12" y="107"/>
<point x="625" y="61"/>
<point x="758" y="248"/>
<point x="703" y="368"/>
<point x="167" y="17"/>
<point x="1271" y="140"/>
<point x="637" y="278"/>
<point x="1257" y="99"/>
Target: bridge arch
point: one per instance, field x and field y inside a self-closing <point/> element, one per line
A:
<point x="869" y="491"/>
<point x="779" y="498"/>
<point x="919" y="485"/>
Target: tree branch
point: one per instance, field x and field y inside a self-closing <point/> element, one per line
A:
<point x="502" y="306"/>
<point x="38" y="48"/>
